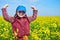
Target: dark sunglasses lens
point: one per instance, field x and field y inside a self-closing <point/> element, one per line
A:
<point x="21" y="12"/>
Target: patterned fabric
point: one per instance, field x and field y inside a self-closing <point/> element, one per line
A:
<point x="22" y="24"/>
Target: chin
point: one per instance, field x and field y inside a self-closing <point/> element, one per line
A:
<point x="21" y="16"/>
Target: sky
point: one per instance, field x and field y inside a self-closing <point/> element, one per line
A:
<point x="44" y="7"/>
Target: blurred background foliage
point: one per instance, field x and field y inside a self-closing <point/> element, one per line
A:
<point x="43" y="28"/>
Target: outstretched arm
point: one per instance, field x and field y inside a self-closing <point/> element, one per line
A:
<point x="34" y="16"/>
<point x="5" y="14"/>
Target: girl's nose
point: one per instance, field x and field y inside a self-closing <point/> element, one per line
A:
<point x="21" y="14"/>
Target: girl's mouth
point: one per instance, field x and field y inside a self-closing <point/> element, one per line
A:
<point x="21" y="14"/>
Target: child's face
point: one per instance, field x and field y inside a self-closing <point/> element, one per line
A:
<point x="21" y="13"/>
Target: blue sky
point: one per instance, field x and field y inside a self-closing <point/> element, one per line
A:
<point x="45" y="7"/>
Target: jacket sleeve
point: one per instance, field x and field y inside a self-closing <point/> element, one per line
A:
<point x="34" y="16"/>
<point x="6" y="16"/>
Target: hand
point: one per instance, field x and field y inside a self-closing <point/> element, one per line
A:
<point x="5" y="6"/>
<point x="33" y="7"/>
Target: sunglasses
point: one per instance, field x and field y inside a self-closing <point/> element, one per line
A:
<point x="23" y="12"/>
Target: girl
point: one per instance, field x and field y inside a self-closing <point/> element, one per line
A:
<point x="20" y="22"/>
